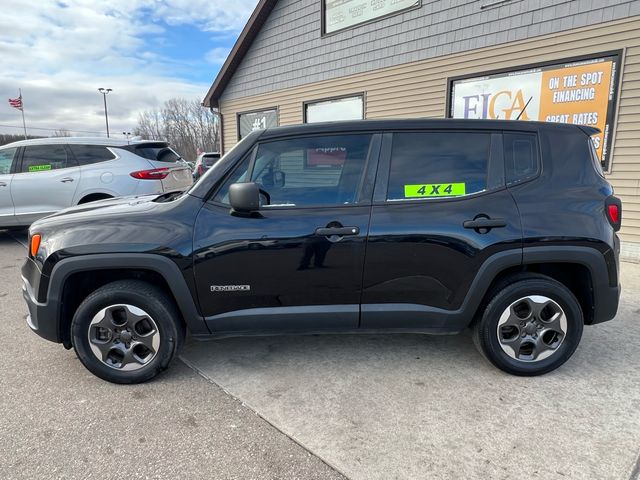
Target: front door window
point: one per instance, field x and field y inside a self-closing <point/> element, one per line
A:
<point x="312" y="171"/>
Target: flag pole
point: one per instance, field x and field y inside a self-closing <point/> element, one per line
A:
<point x="24" y="125"/>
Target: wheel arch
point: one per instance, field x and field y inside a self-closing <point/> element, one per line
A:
<point x="95" y="196"/>
<point x="74" y="278"/>
<point x="82" y="193"/>
<point x="583" y="270"/>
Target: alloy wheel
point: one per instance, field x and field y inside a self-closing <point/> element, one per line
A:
<point x="124" y="337"/>
<point x="532" y="328"/>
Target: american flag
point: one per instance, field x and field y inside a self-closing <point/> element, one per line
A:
<point x="16" y="102"/>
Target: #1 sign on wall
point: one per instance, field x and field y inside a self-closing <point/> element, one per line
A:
<point x="258" y="120"/>
<point x="576" y="92"/>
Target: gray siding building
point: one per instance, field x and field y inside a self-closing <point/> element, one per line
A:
<point x="572" y="61"/>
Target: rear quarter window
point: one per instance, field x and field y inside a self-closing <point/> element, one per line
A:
<point x="521" y="157"/>
<point x="438" y="164"/>
<point x="594" y="156"/>
<point x="89" y="154"/>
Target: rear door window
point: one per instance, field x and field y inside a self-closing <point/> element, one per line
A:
<point x="42" y="158"/>
<point x="431" y="165"/>
<point x="6" y="159"/>
<point x="520" y="156"/>
<point x="89" y="154"/>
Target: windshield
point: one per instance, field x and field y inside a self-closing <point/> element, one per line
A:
<point x="210" y="160"/>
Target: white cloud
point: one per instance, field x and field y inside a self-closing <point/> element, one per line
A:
<point x="211" y="15"/>
<point x="217" y="55"/>
<point x="60" y="52"/>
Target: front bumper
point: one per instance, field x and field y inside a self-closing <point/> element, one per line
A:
<point x="43" y="317"/>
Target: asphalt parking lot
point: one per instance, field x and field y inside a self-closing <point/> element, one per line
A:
<point x="366" y="407"/>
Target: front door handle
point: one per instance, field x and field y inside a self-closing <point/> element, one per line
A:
<point x="66" y="180"/>
<point x="338" y="231"/>
<point x="2" y="184"/>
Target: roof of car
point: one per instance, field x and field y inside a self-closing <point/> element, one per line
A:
<point x="110" y="142"/>
<point x="419" y="123"/>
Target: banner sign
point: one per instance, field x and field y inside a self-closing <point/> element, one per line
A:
<point x="326" y="157"/>
<point x="248" y="122"/>
<point x="577" y="92"/>
<point x="340" y="14"/>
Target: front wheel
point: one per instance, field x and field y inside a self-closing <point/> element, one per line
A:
<point x="530" y="327"/>
<point x="126" y="332"/>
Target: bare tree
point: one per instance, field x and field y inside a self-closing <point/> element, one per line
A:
<point x="185" y="124"/>
<point x="6" y="138"/>
<point x="63" y="132"/>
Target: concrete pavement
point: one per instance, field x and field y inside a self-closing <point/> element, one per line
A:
<point x="59" y="421"/>
<point x="372" y="407"/>
<point x="415" y="407"/>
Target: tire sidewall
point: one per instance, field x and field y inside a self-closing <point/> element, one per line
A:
<point x="156" y="310"/>
<point x="548" y="288"/>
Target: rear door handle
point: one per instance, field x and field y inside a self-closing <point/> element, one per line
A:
<point x="2" y="184"/>
<point x="339" y="231"/>
<point x="66" y="180"/>
<point x="485" y="223"/>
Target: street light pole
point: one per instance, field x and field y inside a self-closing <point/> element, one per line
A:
<point x="105" y="92"/>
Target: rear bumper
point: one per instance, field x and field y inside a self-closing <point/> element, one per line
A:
<point x="606" y="303"/>
<point x="43" y="316"/>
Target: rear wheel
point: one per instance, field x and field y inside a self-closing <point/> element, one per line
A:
<point x="126" y="332"/>
<point x="530" y="327"/>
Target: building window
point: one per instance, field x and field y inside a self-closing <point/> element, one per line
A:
<point x="256" y="120"/>
<point x="579" y="91"/>
<point x="334" y="109"/>
<point x="340" y="14"/>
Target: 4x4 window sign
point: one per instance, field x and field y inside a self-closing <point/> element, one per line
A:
<point x="434" y="190"/>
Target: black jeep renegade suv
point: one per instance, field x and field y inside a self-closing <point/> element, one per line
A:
<point x="426" y="226"/>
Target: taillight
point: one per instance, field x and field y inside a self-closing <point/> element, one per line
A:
<point x="155" y="174"/>
<point x="35" y="244"/>
<point x="200" y="170"/>
<point x="613" y="211"/>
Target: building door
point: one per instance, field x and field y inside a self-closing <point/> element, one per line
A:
<point x="435" y="191"/>
<point x="297" y="264"/>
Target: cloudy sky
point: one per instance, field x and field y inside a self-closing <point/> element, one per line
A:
<point x="60" y="52"/>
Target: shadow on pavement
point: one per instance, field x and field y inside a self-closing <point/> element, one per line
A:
<point x="8" y="237"/>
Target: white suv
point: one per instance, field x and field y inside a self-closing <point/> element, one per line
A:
<point x="40" y="177"/>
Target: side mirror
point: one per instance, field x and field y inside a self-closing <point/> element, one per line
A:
<point x="244" y="197"/>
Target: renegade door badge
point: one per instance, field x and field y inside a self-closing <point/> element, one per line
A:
<point x="230" y="288"/>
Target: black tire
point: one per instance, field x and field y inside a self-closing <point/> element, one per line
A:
<point x="486" y="337"/>
<point x="153" y="302"/>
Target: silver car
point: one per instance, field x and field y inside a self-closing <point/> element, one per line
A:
<point x="40" y="177"/>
